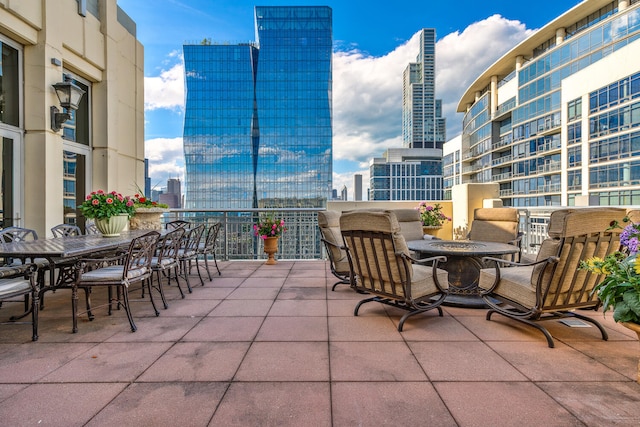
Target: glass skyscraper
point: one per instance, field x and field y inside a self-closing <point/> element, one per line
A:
<point x="258" y="125"/>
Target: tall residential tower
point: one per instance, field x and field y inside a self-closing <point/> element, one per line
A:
<point x="556" y="120"/>
<point x="414" y="172"/>
<point x="258" y="129"/>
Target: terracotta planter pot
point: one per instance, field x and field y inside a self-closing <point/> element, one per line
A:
<point x="635" y="328"/>
<point x="270" y="248"/>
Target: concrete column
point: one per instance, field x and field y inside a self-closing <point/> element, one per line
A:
<point x="466" y="198"/>
<point x="493" y="100"/>
<point x="478" y="95"/>
<point x="622" y="5"/>
<point x="560" y="35"/>
<point x="519" y="61"/>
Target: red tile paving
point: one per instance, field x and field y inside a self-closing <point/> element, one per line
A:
<point x="274" y="346"/>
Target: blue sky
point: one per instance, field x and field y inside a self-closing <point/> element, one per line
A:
<point x="373" y="42"/>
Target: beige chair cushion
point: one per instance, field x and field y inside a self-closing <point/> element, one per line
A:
<point x="574" y="222"/>
<point x="410" y="224"/>
<point x="329" y="223"/>
<point x="381" y="221"/>
<point x="494" y="225"/>
<point x="515" y="284"/>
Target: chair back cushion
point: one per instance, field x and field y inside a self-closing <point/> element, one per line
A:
<point x="574" y="222"/>
<point x="494" y="225"/>
<point x="373" y="237"/>
<point x="410" y="224"/>
<point x="575" y="235"/>
<point x="329" y="223"/>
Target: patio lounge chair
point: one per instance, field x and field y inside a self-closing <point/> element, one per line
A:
<point x="208" y="247"/>
<point x="496" y="225"/>
<point x="552" y="287"/>
<point x="329" y="224"/>
<point x="379" y="258"/>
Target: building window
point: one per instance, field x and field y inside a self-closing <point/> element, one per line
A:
<point x="574" y="109"/>
<point x="9" y="85"/>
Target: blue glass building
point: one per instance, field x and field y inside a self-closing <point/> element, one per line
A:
<point x="258" y="131"/>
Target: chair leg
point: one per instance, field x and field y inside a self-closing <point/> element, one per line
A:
<point x="216" y="262"/>
<point x="198" y="269"/>
<point x="206" y="265"/>
<point x="74" y="308"/>
<point x="541" y="328"/>
<point x="175" y="270"/>
<point x="185" y="272"/>
<point x="34" y="315"/>
<point x="161" y="289"/>
<point x="147" y="283"/>
<point x="125" y="303"/>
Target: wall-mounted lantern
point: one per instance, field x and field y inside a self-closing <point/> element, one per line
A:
<point x="69" y="96"/>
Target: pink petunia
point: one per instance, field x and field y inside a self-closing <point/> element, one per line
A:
<point x="98" y="192"/>
<point x="95" y="202"/>
<point x="129" y="203"/>
<point x="263" y="237"/>
<point x="109" y="201"/>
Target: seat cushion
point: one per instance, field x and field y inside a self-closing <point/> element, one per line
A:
<point x="342" y="267"/>
<point x="17" y="285"/>
<point x="423" y="284"/>
<point x="515" y="284"/>
<point x="111" y="273"/>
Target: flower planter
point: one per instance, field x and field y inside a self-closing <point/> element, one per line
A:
<point x="635" y="328"/>
<point x="112" y="226"/>
<point x="147" y="219"/>
<point x="431" y="229"/>
<point x="270" y="248"/>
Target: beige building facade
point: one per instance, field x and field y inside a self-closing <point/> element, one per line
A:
<point x="47" y="173"/>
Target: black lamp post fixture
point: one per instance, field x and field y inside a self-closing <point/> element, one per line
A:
<point x="69" y="96"/>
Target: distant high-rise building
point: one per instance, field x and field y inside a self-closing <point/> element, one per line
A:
<point x="173" y="195"/>
<point x="343" y="193"/>
<point x="147" y="179"/>
<point x="414" y="172"/>
<point x="257" y="129"/>
<point x="357" y="187"/>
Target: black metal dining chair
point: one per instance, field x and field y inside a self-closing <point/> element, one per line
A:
<point x="188" y="252"/>
<point x="119" y="272"/>
<point x="166" y="260"/>
<point x="208" y="247"/>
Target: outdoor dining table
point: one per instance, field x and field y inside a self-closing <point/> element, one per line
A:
<point x="464" y="262"/>
<point x="61" y="250"/>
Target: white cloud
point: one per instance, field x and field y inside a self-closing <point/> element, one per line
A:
<point x="166" y="160"/>
<point x="165" y="90"/>
<point x="367" y="94"/>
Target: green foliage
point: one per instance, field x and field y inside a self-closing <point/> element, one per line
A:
<point x="103" y="205"/>
<point x="620" y="288"/>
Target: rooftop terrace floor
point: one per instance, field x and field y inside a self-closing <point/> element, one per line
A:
<point x="274" y="346"/>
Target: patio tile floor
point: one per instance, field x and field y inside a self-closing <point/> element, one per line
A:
<point x="274" y="346"/>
